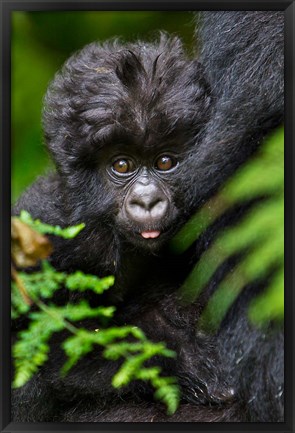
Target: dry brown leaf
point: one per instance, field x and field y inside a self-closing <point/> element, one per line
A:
<point x="27" y="245"/>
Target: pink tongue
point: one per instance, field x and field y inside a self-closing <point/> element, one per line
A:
<point x="150" y="234"/>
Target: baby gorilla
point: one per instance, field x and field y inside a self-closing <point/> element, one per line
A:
<point x="120" y="123"/>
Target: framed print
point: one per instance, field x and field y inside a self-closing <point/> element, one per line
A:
<point x="148" y="191"/>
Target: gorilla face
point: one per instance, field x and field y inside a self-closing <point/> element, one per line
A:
<point x="144" y="188"/>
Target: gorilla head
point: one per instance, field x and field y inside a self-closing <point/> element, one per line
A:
<point x="120" y="122"/>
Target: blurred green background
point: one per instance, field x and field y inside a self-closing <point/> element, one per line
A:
<point x="41" y="42"/>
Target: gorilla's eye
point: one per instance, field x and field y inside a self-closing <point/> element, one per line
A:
<point x="165" y="163"/>
<point x="122" y="166"/>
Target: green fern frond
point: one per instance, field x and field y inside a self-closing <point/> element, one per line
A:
<point x="258" y="238"/>
<point x="66" y="233"/>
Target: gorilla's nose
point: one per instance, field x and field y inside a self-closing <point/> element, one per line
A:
<point x="146" y="203"/>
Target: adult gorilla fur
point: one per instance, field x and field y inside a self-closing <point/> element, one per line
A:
<point x="149" y="100"/>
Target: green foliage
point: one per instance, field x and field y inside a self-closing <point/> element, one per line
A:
<point x="31" y="350"/>
<point x="258" y="237"/>
<point x="128" y="343"/>
<point x="66" y="233"/>
<point x="135" y="355"/>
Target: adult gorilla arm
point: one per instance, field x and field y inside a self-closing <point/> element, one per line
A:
<point x="243" y="56"/>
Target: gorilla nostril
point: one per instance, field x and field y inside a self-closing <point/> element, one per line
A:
<point x="159" y="208"/>
<point x="147" y="203"/>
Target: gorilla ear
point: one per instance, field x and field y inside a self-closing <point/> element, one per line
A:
<point x="129" y="68"/>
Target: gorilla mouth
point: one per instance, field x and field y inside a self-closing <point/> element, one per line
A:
<point x="150" y="234"/>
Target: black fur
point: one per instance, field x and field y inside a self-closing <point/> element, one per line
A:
<point x="149" y="96"/>
<point x="243" y="56"/>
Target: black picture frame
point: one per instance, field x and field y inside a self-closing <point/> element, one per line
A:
<point x="7" y="7"/>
